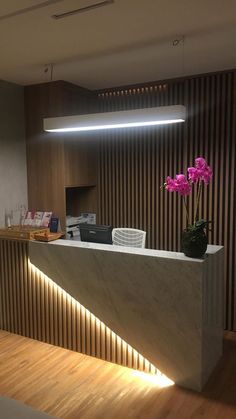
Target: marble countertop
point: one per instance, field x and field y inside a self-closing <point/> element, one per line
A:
<point x="211" y="249"/>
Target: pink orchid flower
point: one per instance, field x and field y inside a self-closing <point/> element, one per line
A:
<point x="193" y="174"/>
<point x="183" y="186"/>
<point x="200" y="163"/>
<point x="179" y="184"/>
<point x="170" y="184"/>
<point x="201" y="171"/>
<point x="207" y="175"/>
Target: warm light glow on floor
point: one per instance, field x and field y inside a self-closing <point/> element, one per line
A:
<point x="157" y="380"/>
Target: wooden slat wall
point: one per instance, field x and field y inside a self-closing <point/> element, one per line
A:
<point x="34" y="306"/>
<point x="135" y="162"/>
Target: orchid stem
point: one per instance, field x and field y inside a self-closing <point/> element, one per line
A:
<point x="198" y="199"/>
<point x="186" y="209"/>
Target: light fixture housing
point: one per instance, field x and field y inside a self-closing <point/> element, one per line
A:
<point x="120" y="119"/>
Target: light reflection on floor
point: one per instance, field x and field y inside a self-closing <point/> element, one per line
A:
<point x="157" y="380"/>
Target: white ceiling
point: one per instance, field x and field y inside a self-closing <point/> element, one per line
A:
<point x="129" y="41"/>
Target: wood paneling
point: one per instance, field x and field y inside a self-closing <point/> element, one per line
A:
<point x="80" y="156"/>
<point x="135" y="162"/>
<point x="45" y="164"/>
<point x="54" y="160"/>
<point x="32" y="305"/>
<point x="69" y="385"/>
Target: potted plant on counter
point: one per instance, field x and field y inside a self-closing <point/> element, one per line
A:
<point x="194" y="239"/>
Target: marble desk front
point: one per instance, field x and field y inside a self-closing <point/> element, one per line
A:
<point x="165" y="305"/>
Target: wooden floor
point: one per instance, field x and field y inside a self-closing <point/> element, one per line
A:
<point x="67" y="385"/>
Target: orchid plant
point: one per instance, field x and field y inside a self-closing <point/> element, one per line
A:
<point x="199" y="174"/>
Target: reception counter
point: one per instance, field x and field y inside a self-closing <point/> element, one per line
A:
<point x="165" y="307"/>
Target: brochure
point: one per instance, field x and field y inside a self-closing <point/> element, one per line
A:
<point x="29" y="217"/>
<point x="37" y="218"/>
<point x="46" y="218"/>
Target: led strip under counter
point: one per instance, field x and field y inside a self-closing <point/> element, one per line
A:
<point x="165" y="305"/>
<point x="33" y="305"/>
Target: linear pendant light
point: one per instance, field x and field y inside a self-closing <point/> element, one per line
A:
<point x="121" y="119"/>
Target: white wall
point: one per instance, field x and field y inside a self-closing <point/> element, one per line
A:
<point x="13" y="178"/>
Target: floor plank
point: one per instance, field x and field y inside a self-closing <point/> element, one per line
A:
<point x="70" y="385"/>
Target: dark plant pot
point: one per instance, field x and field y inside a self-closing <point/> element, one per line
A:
<point x="194" y="243"/>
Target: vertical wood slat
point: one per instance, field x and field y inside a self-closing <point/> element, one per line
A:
<point x="34" y="306"/>
<point x="154" y="153"/>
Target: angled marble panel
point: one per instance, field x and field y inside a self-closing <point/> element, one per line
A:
<point x="154" y="300"/>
